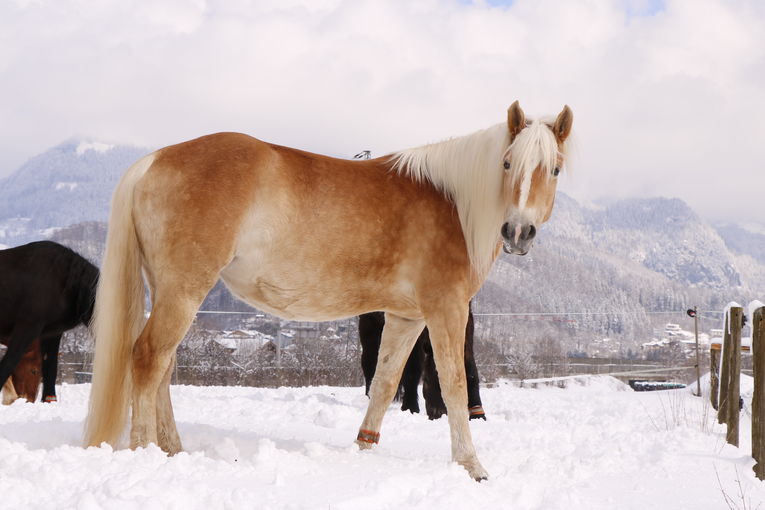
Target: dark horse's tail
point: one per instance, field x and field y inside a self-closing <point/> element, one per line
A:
<point x="118" y="318"/>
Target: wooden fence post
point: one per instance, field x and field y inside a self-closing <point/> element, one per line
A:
<point x="758" y="400"/>
<point x="714" y="375"/>
<point x="734" y="383"/>
<point x="722" y="404"/>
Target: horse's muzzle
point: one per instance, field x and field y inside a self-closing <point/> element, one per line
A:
<point x="517" y="239"/>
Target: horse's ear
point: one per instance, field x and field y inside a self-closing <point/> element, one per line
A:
<point x="516" y="120"/>
<point x="562" y="126"/>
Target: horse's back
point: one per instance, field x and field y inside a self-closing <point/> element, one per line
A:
<point x="294" y="233"/>
<point x="26" y="279"/>
<point x="37" y="279"/>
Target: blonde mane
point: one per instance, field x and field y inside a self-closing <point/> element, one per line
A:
<point x="469" y="170"/>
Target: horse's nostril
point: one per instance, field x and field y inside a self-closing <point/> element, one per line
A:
<point x="532" y="232"/>
<point x="506" y="231"/>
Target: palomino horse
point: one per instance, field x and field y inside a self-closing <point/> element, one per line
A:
<point x="45" y="290"/>
<point x="419" y="366"/>
<point x="309" y="237"/>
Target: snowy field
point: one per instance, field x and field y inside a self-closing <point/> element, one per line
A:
<point x="594" y="446"/>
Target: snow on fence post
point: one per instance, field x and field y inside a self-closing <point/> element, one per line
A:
<point x="758" y="400"/>
<point x="734" y="373"/>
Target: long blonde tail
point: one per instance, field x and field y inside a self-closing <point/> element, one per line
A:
<point x="118" y="317"/>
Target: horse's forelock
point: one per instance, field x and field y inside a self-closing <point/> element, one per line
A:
<point x="534" y="148"/>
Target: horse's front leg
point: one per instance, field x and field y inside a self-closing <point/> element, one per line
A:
<point x="398" y="338"/>
<point x="447" y="337"/>
<point x="49" y="348"/>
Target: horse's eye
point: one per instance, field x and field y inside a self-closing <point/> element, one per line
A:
<point x="556" y="171"/>
<point x="507" y="165"/>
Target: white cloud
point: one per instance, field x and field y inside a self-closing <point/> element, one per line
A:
<point x="667" y="96"/>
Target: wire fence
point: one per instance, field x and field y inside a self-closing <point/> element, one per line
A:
<point x="230" y="347"/>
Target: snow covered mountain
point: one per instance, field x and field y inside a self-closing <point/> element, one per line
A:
<point x="69" y="183"/>
<point x="663" y="235"/>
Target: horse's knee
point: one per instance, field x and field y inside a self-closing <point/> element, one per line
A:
<point x="150" y="360"/>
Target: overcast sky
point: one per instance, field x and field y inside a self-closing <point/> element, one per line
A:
<point x="668" y="96"/>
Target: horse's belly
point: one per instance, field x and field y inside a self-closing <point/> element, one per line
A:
<point x="299" y="271"/>
<point x="294" y="298"/>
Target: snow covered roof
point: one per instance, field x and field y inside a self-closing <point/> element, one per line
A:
<point x="227" y="342"/>
<point x="657" y="342"/>
<point x="245" y="340"/>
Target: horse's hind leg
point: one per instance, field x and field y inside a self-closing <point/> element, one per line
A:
<point x="431" y="390"/>
<point x="370" y="335"/>
<point x="153" y="353"/>
<point x="471" y="371"/>
<point x="447" y="337"/>
<point x="399" y="335"/>
<point x="167" y="434"/>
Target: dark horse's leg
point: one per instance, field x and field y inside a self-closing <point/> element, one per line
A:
<point x="26" y="376"/>
<point x="431" y="390"/>
<point x="49" y="347"/>
<point x="471" y="371"/>
<point x="410" y="380"/>
<point x="370" y="334"/>
<point x="18" y="343"/>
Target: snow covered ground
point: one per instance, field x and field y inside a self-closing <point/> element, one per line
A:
<point x="593" y="446"/>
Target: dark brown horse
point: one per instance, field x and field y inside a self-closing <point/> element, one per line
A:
<point x="419" y="366"/>
<point x="25" y="380"/>
<point x="47" y="289"/>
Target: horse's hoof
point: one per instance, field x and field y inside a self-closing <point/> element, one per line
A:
<point x="435" y="414"/>
<point x="475" y="470"/>
<point x="367" y="438"/>
<point x="364" y="445"/>
<point x="411" y="408"/>
<point x="476" y="412"/>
